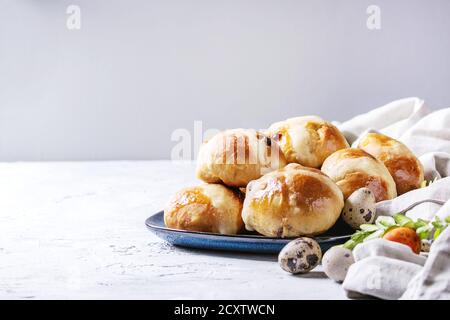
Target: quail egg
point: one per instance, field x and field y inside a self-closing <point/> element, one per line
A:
<point x="336" y="261"/>
<point x="359" y="208"/>
<point x="426" y="245"/>
<point x="300" y="255"/>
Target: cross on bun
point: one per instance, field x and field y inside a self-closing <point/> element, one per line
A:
<point x="352" y="169"/>
<point x="206" y="208"/>
<point x="307" y="140"/>
<point x="235" y="157"/>
<point x="403" y="165"/>
<point x="291" y="202"/>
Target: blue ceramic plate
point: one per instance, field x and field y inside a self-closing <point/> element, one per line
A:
<point x="248" y="242"/>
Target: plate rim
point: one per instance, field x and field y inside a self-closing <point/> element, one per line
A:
<point x="152" y="226"/>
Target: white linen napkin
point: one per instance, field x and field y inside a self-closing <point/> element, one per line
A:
<point x="382" y="269"/>
<point x="433" y="282"/>
<point x="392" y="119"/>
<point x="427" y="134"/>
<point x="439" y="190"/>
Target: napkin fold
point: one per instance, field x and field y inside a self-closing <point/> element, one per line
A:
<point x="390" y="270"/>
<point x="392" y="119"/>
<point x="382" y="269"/>
<point x="433" y="281"/>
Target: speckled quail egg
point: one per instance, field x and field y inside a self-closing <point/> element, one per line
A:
<point x="425" y="245"/>
<point x="336" y="261"/>
<point x="359" y="208"/>
<point x="300" y="255"/>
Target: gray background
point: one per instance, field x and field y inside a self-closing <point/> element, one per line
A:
<point x="138" y="69"/>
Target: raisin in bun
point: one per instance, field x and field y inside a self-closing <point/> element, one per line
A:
<point x="307" y="140"/>
<point x="291" y="202"/>
<point x="207" y="208"/>
<point x="352" y="169"/>
<point x="403" y="165"/>
<point x="235" y="157"/>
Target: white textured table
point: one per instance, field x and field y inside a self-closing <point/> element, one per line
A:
<point x="76" y="230"/>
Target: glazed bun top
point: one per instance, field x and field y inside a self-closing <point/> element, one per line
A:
<point x="352" y="169"/>
<point x="403" y="165"/>
<point x="291" y="202"/>
<point x="206" y="208"/>
<point x="307" y="140"/>
<point x="235" y="157"/>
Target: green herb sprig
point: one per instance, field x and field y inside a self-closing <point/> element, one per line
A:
<point x="383" y="224"/>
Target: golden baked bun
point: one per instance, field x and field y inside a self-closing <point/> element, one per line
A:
<point x="291" y="202"/>
<point x="403" y="165"/>
<point x="307" y="140"/>
<point x="352" y="169"/>
<point x="207" y="208"/>
<point x="235" y="157"/>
